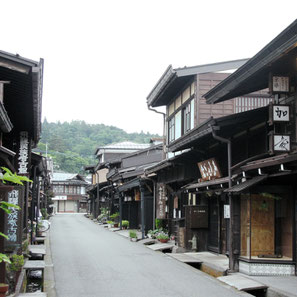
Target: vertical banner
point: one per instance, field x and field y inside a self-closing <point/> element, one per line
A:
<point x="23" y="158"/>
<point x="161" y="201"/>
<point x="13" y="220"/>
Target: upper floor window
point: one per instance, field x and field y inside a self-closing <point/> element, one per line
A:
<point x="171" y="129"/>
<point x="181" y="113"/>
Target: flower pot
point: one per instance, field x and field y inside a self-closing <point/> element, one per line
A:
<point x="133" y="239"/>
<point x="3" y="289"/>
<point x="163" y="240"/>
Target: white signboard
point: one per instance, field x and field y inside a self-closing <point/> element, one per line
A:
<point x="280" y="84"/>
<point x="60" y="197"/>
<point x="226" y="211"/>
<point x="12" y="217"/>
<point x="281" y="113"/>
<point x="23" y="153"/>
<point x="281" y="143"/>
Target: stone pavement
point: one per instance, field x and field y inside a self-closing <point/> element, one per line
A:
<point x="217" y="265"/>
<point x="278" y="286"/>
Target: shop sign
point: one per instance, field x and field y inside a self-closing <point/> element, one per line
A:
<point x="281" y="113"/>
<point x="64" y="197"/>
<point x="13" y="220"/>
<point x="281" y="143"/>
<point x="226" y="211"/>
<point x="23" y="153"/>
<point x="161" y="201"/>
<point x="209" y="169"/>
<point x="280" y="84"/>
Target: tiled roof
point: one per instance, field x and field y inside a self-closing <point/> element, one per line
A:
<point x="62" y="176"/>
<point x="126" y="145"/>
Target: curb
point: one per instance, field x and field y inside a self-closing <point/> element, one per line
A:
<point x="49" y="277"/>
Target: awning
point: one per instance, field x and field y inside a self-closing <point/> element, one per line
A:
<point x="213" y="182"/>
<point x="129" y="185"/>
<point x="247" y="184"/>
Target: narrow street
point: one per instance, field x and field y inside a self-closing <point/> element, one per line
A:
<point x="90" y="261"/>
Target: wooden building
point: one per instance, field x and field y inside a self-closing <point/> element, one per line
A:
<point x="181" y="91"/>
<point x="102" y="192"/>
<point x="21" y="82"/>
<point x="263" y="200"/>
<point x="136" y="192"/>
<point x="70" y="192"/>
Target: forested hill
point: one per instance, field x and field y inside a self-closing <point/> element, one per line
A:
<point x="72" y="145"/>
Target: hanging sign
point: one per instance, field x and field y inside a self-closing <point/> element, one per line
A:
<point x="23" y="158"/>
<point x="281" y="113"/>
<point x="161" y="201"/>
<point x="209" y="169"/>
<point x="13" y="220"/>
<point x="281" y="143"/>
<point x="280" y="84"/>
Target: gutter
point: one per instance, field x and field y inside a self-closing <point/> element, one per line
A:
<point x="164" y="125"/>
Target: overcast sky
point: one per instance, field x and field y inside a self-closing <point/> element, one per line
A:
<point x="102" y="58"/>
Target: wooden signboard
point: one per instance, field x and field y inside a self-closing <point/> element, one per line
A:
<point x="279" y="143"/>
<point x="279" y="84"/>
<point x="13" y="220"/>
<point x="209" y="169"/>
<point x="161" y="201"/>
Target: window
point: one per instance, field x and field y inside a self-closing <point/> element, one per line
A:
<point x="181" y="113"/>
<point x="171" y="130"/>
<point x="187" y="118"/>
<point x="178" y="125"/>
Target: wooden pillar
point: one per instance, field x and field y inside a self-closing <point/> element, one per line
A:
<point x="142" y="212"/>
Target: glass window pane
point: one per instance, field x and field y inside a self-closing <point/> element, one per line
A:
<point x="178" y="125"/>
<point x="192" y="114"/>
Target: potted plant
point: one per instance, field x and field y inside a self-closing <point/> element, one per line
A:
<point x="15" y="267"/>
<point x="110" y="223"/>
<point x="125" y="224"/>
<point x="133" y="235"/>
<point x="115" y="218"/>
<point x="3" y="289"/>
<point x="163" y="237"/>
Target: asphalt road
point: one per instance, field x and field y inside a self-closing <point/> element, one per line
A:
<point x="90" y="261"/>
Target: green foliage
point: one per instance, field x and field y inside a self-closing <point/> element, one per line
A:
<point x="72" y="145"/>
<point x="5" y="206"/>
<point x="110" y="222"/>
<point x="44" y="213"/>
<point x="132" y="234"/>
<point x="163" y="235"/>
<point x="17" y="262"/>
<point x="125" y="223"/>
<point x="8" y="176"/>
<point x="158" y="223"/>
<point x="115" y="215"/>
<point x="4" y="258"/>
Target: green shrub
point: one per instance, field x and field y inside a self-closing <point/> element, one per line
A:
<point x="114" y="216"/>
<point x="17" y="262"/>
<point x="158" y="223"/>
<point x="125" y="223"/>
<point x="132" y="234"/>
